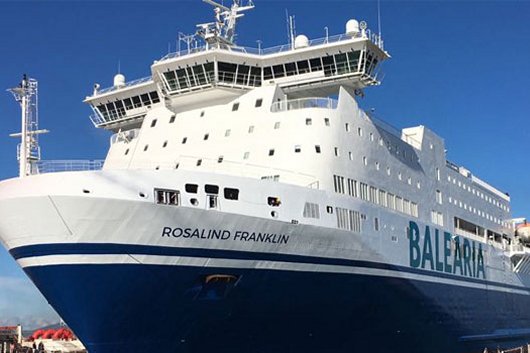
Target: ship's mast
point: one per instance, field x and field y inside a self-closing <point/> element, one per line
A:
<point x="28" y="151"/>
<point x="222" y="32"/>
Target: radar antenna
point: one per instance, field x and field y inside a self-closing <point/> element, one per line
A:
<point x="28" y="151"/>
<point x="222" y="32"/>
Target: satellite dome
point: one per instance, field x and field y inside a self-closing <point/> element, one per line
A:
<point x="352" y="28"/>
<point x="301" y="41"/>
<point x="119" y="80"/>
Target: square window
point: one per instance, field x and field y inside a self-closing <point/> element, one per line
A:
<point x="199" y="162"/>
<point x="259" y="103"/>
<point x="308" y="121"/>
<point x="317" y="148"/>
<point x="297" y="149"/>
<point x="235" y="107"/>
<point x="326" y="121"/>
<point x="184" y="140"/>
<point x="206" y="136"/>
<point x="271" y="152"/>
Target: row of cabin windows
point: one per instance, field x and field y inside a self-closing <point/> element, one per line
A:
<point x="336" y="152"/>
<point x="117" y="109"/>
<point x="392" y="148"/>
<point x="372" y="194"/>
<point x="479" y="193"/>
<point x="229" y="193"/>
<point x="476" y="211"/>
<point x="472" y="228"/>
<point x="332" y="65"/>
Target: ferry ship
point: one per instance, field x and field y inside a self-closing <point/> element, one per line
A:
<point x="248" y="204"/>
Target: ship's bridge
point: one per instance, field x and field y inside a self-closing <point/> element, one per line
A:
<point x="306" y="68"/>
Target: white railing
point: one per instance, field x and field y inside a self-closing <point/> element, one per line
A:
<point x="304" y="103"/>
<point x="113" y="116"/>
<point x="57" y="166"/>
<point x="127" y="84"/>
<point x="373" y="37"/>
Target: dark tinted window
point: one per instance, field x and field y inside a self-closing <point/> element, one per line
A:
<point x="191" y="188"/>
<point x="231" y="194"/>
<point x="211" y="189"/>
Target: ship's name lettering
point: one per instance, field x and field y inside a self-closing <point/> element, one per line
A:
<point x="223" y="234"/>
<point x="445" y="252"/>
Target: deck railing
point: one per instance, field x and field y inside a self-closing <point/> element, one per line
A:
<point x="44" y="167"/>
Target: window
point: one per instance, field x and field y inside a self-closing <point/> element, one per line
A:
<point x="438" y="174"/>
<point x="352" y="187"/>
<point x="246" y="155"/>
<point x="348" y="219"/>
<point x="153" y="123"/>
<point x="437" y="218"/>
<point x="127" y="151"/>
<point x="271" y="152"/>
<point x="146" y="147"/>
<point x="336" y="150"/>
<point x="308" y="121"/>
<point x="376" y="224"/>
<point x="438" y="197"/>
<point x="184" y="140"/>
<point x="311" y="210"/>
<point x="276" y="125"/>
<point x="414" y="209"/>
<point x="350" y="156"/>
<point x="406" y="206"/>
<point x="202" y="113"/>
<point x="259" y="103"/>
<point x="317" y="148"/>
<point x="372" y="137"/>
<point x="251" y="129"/>
<point x="391" y="201"/>
<point x="191" y="188"/>
<point x="172" y="119"/>
<point x="387" y="170"/>
<point x="235" y="107"/>
<point x="206" y="136"/>
<point x="273" y="201"/>
<point x="326" y="121"/>
<point x="228" y="132"/>
<point x="297" y="149"/>
<point x="211" y="189"/>
<point x="167" y="197"/>
<point x="164" y="145"/>
<point x="347" y="126"/>
<point x="363" y="191"/>
<point x="399" y="204"/>
<point x="372" y="196"/>
<point x="329" y="209"/>
<point x="382" y="198"/>
<point x="220" y="159"/>
<point x="199" y="162"/>
<point x="365" y="161"/>
<point x="231" y="194"/>
<point x="360" y="132"/>
<point x="338" y="183"/>
<point x="377" y="166"/>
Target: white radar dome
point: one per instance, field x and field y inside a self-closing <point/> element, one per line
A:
<point x="119" y="80"/>
<point x="301" y="41"/>
<point x="352" y="28"/>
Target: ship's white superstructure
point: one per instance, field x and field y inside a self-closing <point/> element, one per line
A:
<point x="252" y="178"/>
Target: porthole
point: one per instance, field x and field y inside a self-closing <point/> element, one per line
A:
<point x="274" y="214"/>
<point x="194" y="202"/>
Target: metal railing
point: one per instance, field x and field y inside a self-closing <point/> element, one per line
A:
<point x="127" y="84"/>
<point x="113" y="116"/>
<point x="57" y="166"/>
<point x="373" y="37"/>
<point x="304" y="103"/>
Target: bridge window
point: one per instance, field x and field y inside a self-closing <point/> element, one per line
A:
<point x="290" y="69"/>
<point x="128" y="103"/>
<point x="267" y="73"/>
<point x="154" y="97"/>
<point x="136" y="102"/>
<point x="303" y="66"/>
<point x="342" y="63"/>
<point x="353" y="60"/>
<point x="279" y="71"/>
<point x="145" y="99"/>
<point x="316" y="64"/>
<point x="329" y="65"/>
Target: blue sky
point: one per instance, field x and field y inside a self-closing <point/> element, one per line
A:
<point x="461" y="68"/>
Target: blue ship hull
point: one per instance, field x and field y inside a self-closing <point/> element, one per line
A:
<point x="139" y="308"/>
